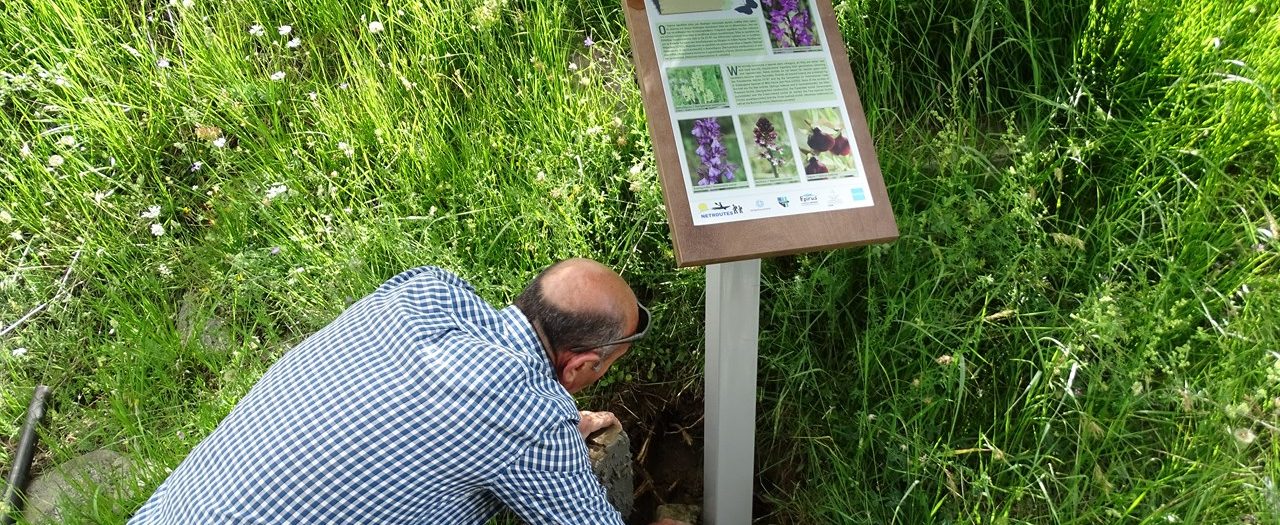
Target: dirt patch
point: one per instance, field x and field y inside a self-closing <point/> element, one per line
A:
<point x="665" y="425"/>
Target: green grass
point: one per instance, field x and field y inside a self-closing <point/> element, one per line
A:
<point x="1077" y="325"/>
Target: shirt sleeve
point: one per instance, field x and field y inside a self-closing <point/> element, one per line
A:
<point x="552" y="482"/>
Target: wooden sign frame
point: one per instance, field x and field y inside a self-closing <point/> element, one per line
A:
<point x="764" y="237"/>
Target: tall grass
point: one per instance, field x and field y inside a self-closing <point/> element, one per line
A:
<point x="1078" y="324"/>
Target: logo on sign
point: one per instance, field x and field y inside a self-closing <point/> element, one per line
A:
<point x="784" y="201"/>
<point x="833" y="199"/>
<point x="859" y="195"/>
<point x="719" y="209"/>
<point x="808" y="199"/>
<point x="760" y="203"/>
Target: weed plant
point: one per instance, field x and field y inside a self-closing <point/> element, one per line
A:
<point x="1077" y="325"/>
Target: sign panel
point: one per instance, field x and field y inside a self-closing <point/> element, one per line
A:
<point x="762" y="145"/>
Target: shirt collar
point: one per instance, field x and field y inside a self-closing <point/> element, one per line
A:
<point x="520" y="329"/>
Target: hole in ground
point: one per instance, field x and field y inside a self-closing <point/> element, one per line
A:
<point x="665" y="424"/>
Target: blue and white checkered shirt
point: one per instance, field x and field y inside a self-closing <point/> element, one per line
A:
<point x="420" y="404"/>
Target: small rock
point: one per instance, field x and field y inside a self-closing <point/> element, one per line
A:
<point x="610" y="454"/>
<point x="103" y="473"/>
<point x="211" y="331"/>
<point x="686" y="513"/>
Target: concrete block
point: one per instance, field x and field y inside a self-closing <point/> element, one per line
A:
<point x="610" y="453"/>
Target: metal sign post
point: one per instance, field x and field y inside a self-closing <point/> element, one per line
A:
<point x="733" y="333"/>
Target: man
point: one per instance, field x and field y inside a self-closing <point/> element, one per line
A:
<point x="421" y="404"/>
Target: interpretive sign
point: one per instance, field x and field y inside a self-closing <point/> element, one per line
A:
<point x="761" y="142"/>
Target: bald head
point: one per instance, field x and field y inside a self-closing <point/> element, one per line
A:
<point x="579" y="303"/>
<point x="587" y="287"/>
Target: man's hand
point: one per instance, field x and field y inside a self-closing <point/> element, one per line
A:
<point x="593" y="421"/>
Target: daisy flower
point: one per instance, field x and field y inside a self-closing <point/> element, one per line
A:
<point x="157" y="230"/>
<point x="257" y="30"/>
<point x="375" y="27"/>
<point x="277" y="76"/>
<point x="276" y="191"/>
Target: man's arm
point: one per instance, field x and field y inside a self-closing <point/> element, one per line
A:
<point x="552" y="483"/>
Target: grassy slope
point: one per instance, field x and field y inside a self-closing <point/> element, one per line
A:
<point x="1063" y="332"/>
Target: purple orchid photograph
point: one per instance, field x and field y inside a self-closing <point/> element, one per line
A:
<point x="791" y="24"/>
<point x="712" y="153"/>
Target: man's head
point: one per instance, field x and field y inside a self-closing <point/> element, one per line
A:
<point x="581" y="310"/>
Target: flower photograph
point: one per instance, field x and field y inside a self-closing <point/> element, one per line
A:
<point x="711" y="153"/>
<point x="791" y="24"/>
<point x="697" y="87"/>
<point x="825" y="144"/>
<point x="769" y="153"/>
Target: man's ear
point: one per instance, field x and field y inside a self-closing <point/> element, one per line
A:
<point x="577" y="371"/>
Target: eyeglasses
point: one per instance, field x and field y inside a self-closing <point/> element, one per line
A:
<point x="641" y="329"/>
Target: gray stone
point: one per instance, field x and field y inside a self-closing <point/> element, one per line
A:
<point x="103" y="475"/>
<point x="610" y="454"/>
<point x="682" y="513"/>
<point x="211" y="331"/>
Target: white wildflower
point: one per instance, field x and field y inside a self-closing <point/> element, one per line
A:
<point x="220" y="142"/>
<point x="188" y="4"/>
<point x="284" y="30"/>
<point x="277" y="76"/>
<point x="55" y="161"/>
<point x="375" y="27"/>
<point x="151" y="213"/>
<point x="346" y="149"/>
<point x="164" y="270"/>
<point x="5" y="218"/>
<point x="67" y="141"/>
<point x="25" y="150"/>
<point x="313" y="96"/>
<point x="257" y="30"/>
<point x="1244" y="436"/>
<point x="195" y="166"/>
<point x="487" y="13"/>
<point x="293" y="43"/>
<point x="344" y="86"/>
<point x="594" y="130"/>
<point x="163" y="63"/>
<point x="17" y="235"/>
<point x="19" y="351"/>
<point x="635" y="170"/>
<point x="157" y="230"/>
<point x="276" y="191"/>
<point x="1216" y="43"/>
